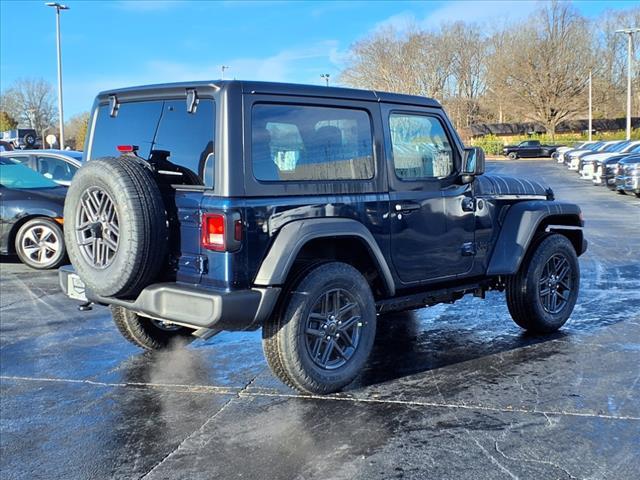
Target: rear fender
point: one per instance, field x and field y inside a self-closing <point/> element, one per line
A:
<point x="293" y="236"/>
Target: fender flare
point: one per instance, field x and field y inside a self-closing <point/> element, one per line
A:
<point x="520" y="225"/>
<point x="294" y="235"/>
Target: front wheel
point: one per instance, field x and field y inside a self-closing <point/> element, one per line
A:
<point x="148" y="333"/>
<point x="541" y="296"/>
<point x="513" y="156"/>
<point x="322" y="336"/>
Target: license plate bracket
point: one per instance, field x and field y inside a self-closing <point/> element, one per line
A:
<point x="76" y="287"/>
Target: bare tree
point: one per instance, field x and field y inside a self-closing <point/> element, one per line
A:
<point x="412" y="63"/>
<point x="545" y="68"/>
<point x="609" y="76"/>
<point x="31" y="102"/>
<point x="467" y="50"/>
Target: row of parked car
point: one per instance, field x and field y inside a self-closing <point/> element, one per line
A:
<point x="33" y="187"/>
<point x="614" y="164"/>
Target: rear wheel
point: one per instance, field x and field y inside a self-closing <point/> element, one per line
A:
<point x="321" y="338"/>
<point x="40" y="244"/>
<point x="148" y="333"/>
<point x="541" y="296"/>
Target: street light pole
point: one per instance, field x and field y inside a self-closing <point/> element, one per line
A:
<point x="59" y="7"/>
<point x="590" y="108"/>
<point x="223" y="68"/>
<point x="629" y="32"/>
<point x="326" y="78"/>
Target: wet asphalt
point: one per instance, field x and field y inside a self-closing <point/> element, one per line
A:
<point x="453" y="391"/>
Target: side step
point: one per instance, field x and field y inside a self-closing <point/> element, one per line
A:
<point x="429" y="298"/>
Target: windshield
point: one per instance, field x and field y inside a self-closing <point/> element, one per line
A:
<point x="616" y="147"/>
<point x="15" y="175"/>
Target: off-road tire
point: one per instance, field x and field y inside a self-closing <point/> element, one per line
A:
<point x="283" y="336"/>
<point x="523" y="288"/>
<point x="142" y="246"/>
<point x="513" y="156"/>
<point x="29" y="139"/>
<point x="56" y="259"/>
<point x="143" y="333"/>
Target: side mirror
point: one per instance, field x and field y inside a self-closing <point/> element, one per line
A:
<point x="472" y="163"/>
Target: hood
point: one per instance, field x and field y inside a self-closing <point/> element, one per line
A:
<point x="601" y="157"/>
<point x="498" y="185"/>
<point x="575" y="153"/>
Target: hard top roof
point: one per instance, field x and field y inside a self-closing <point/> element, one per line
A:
<point x="274" y="88"/>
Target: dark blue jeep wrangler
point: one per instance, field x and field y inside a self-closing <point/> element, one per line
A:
<point x="305" y="211"/>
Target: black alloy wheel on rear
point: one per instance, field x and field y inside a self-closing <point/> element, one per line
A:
<point x="321" y="336"/>
<point x="332" y="330"/>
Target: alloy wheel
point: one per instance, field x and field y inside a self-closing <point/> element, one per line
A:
<point x="332" y="330"/>
<point x="97" y="227"/>
<point x="40" y="244"/>
<point x="555" y="283"/>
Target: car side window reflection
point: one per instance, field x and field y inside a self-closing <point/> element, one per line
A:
<point x="55" y="168"/>
<point x="420" y="146"/>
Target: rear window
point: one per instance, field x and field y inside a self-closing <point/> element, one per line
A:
<point x="179" y="142"/>
<point x="297" y="143"/>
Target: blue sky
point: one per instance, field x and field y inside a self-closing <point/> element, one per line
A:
<point x="120" y="43"/>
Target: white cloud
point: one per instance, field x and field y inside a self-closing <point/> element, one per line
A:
<point x="298" y="65"/>
<point x="400" y="22"/>
<point x="461" y="10"/>
<point x="475" y="11"/>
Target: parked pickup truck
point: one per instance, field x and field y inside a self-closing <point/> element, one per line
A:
<point x="305" y="211"/>
<point x="528" y="149"/>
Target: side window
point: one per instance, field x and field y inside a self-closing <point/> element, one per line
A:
<point x="297" y="143"/>
<point x="421" y="149"/>
<point x="24" y="159"/>
<point x="55" y="168"/>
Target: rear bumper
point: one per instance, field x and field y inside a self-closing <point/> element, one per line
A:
<point x="187" y="305"/>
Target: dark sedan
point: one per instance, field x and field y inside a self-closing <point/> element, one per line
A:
<point x="31" y="216"/>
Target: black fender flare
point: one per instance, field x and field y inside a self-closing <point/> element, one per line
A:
<point x="522" y="221"/>
<point x="294" y="235"/>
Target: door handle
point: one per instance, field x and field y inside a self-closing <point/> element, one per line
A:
<point x="407" y="207"/>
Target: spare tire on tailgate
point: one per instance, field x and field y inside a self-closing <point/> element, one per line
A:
<point x="115" y="226"/>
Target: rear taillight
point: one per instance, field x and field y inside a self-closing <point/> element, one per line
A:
<point x="213" y="231"/>
<point x="221" y="232"/>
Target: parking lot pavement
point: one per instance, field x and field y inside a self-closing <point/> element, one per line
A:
<point x="453" y="391"/>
